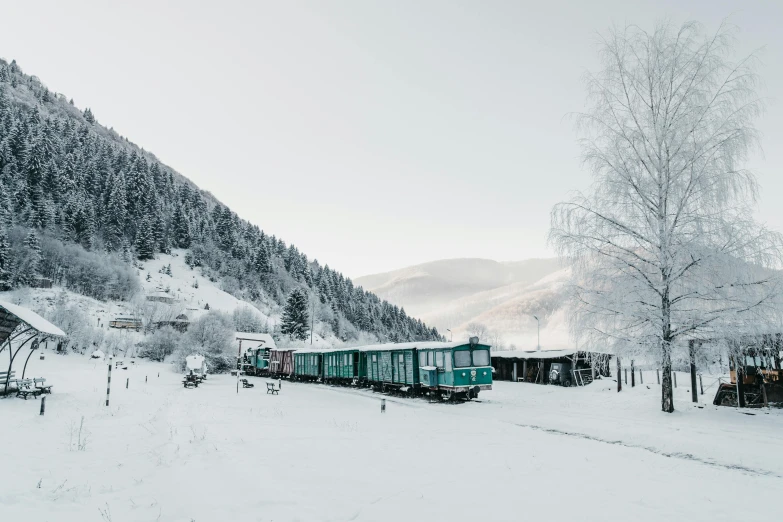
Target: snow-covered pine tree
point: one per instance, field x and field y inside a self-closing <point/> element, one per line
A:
<point x="34" y="248"/>
<point x="295" y="317"/>
<point x="262" y="264"/>
<point x="145" y="240"/>
<point x="6" y="212"/>
<point x="5" y="261"/>
<point x="181" y="227"/>
<point x="116" y="213"/>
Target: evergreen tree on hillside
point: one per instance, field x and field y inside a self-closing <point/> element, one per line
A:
<point x="34" y="248"/>
<point x="295" y="318"/>
<point x="5" y="207"/>
<point x="5" y="261"/>
<point x="145" y="240"/>
<point x="181" y="228"/>
<point x="262" y="264"/>
<point x="116" y="213"/>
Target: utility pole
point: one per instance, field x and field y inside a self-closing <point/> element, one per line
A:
<point x="312" y="320"/>
<point x="538" y="346"/>
<point x="451" y="336"/>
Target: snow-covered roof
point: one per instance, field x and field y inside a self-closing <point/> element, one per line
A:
<point x="33" y="320"/>
<point x="194" y="361"/>
<point x="534" y="354"/>
<point x="262" y="338"/>
<point x="421" y="345"/>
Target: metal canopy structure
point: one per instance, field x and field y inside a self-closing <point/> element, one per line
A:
<point x="21" y="325"/>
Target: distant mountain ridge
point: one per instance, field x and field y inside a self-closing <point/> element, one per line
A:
<point x="503" y="296"/>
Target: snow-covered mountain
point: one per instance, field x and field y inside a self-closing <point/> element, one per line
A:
<point x="453" y="293"/>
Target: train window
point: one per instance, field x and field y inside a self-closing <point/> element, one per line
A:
<point x="375" y="357"/>
<point x="481" y="358"/>
<point x="439" y="359"/>
<point x="401" y="358"/>
<point x="422" y="358"/>
<point x="430" y="358"/>
<point x="347" y="360"/>
<point x="447" y="356"/>
<point x="462" y="358"/>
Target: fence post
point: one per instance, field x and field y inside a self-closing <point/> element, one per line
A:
<point x="658" y="374"/>
<point x="43" y="404"/>
<point x="675" y="378"/>
<point x="692" y="357"/>
<point x="701" y="385"/>
<point x="383" y="405"/>
<point x="633" y="374"/>
<point x="145" y="378"/>
<point x="127" y="381"/>
<point x="108" y="383"/>
<point x="641" y="377"/>
<point x="626" y="376"/>
<point x="619" y="376"/>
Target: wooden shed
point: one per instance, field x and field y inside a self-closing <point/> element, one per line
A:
<point x="534" y="366"/>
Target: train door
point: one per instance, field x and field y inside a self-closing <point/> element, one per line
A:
<point x="385" y="367"/>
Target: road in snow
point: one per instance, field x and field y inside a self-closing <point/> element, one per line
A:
<point x="161" y="452"/>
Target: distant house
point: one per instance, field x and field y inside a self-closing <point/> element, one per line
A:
<point x="41" y="282"/>
<point x="161" y="297"/>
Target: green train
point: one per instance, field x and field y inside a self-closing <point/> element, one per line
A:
<point x="452" y="370"/>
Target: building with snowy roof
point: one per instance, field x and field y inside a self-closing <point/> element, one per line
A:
<point x="536" y="366"/>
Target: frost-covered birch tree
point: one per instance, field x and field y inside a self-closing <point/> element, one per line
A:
<point x="664" y="246"/>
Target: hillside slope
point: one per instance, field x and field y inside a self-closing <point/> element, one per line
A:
<point x="79" y="204"/>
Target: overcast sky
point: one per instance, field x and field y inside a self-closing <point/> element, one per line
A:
<point x="373" y="135"/>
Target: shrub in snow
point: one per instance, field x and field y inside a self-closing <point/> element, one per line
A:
<point x="162" y="343"/>
<point x="247" y="320"/>
<point x="212" y="336"/>
<point x="76" y="323"/>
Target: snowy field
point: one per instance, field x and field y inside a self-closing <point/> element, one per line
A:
<point x="162" y="452"/>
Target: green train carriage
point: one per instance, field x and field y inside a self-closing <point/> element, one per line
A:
<point x="456" y="368"/>
<point x="453" y="369"/>
<point x="341" y="365"/>
<point x="308" y="365"/>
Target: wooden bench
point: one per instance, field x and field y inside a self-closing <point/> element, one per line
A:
<point x="39" y="384"/>
<point x="246" y="384"/>
<point x="26" y="389"/>
<point x="271" y="388"/>
<point x="4" y="376"/>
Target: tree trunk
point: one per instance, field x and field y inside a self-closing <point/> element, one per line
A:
<point x="740" y="382"/>
<point x="619" y="376"/>
<point x="667" y="392"/>
<point x="633" y="375"/>
<point x="692" y="356"/>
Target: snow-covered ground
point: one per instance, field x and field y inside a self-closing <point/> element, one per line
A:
<point x="162" y="452"/>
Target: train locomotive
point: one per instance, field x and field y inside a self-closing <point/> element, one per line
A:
<point x="447" y="370"/>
